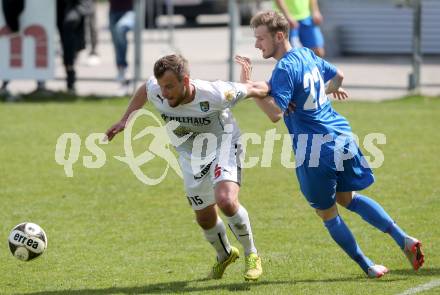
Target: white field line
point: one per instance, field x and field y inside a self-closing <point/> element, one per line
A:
<point x="421" y="288"/>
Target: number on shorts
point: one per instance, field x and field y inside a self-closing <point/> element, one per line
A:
<point x="196" y="200"/>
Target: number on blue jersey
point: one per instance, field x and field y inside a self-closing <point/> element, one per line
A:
<point x="310" y="79"/>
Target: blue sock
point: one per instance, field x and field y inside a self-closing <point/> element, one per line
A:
<point x="374" y="214"/>
<point x="344" y="238"/>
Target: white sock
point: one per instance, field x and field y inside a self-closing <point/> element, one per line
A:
<point x="241" y="227"/>
<point x="216" y="236"/>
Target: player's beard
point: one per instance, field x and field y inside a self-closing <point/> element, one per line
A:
<point x="175" y="102"/>
<point x="274" y="49"/>
<point x="186" y="94"/>
<point x="181" y="98"/>
<point x="269" y="52"/>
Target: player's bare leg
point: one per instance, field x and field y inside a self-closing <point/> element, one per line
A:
<point x="226" y="195"/>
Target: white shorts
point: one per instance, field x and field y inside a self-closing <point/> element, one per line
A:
<point x="199" y="187"/>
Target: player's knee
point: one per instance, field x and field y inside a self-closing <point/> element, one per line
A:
<point x="226" y="197"/>
<point x="344" y="198"/>
<point x="206" y="223"/>
<point x="329" y="213"/>
<point x="227" y="203"/>
<point x="207" y="220"/>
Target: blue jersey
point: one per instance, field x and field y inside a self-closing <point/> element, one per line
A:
<point x="300" y="77"/>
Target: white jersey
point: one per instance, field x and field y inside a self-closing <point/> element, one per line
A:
<point x="209" y="112"/>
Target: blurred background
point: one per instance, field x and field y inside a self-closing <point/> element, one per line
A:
<point x="372" y="41"/>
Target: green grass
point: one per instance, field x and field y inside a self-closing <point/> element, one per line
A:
<point x="110" y="234"/>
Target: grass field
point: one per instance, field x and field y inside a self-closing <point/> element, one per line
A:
<point x="110" y="234"/>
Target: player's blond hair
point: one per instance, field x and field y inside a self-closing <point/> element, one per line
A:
<point x="175" y="63"/>
<point x="274" y="21"/>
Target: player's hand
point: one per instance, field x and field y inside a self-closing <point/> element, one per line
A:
<point x="246" y="68"/>
<point x="340" y="94"/>
<point x="317" y="18"/>
<point x="115" y="129"/>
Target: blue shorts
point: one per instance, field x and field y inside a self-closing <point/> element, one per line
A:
<point x="320" y="184"/>
<point x="308" y="33"/>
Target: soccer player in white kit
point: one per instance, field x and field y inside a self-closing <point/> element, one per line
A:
<point x="202" y="108"/>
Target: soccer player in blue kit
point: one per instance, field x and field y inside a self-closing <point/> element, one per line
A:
<point x="332" y="167"/>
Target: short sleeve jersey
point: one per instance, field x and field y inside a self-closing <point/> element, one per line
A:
<point x="299" y="77"/>
<point x="209" y="112"/>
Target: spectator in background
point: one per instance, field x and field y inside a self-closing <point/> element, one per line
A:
<point x="71" y="16"/>
<point x="12" y="9"/>
<point x="304" y="18"/>
<point x="122" y="19"/>
<point x="92" y="34"/>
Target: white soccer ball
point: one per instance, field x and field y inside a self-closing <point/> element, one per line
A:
<point x="27" y="241"/>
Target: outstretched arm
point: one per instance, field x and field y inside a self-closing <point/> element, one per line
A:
<point x="137" y="101"/>
<point x="270" y="108"/>
<point x="258" y="90"/>
<point x="265" y="103"/>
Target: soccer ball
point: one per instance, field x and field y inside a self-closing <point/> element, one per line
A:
<point x="27" y="241"/>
